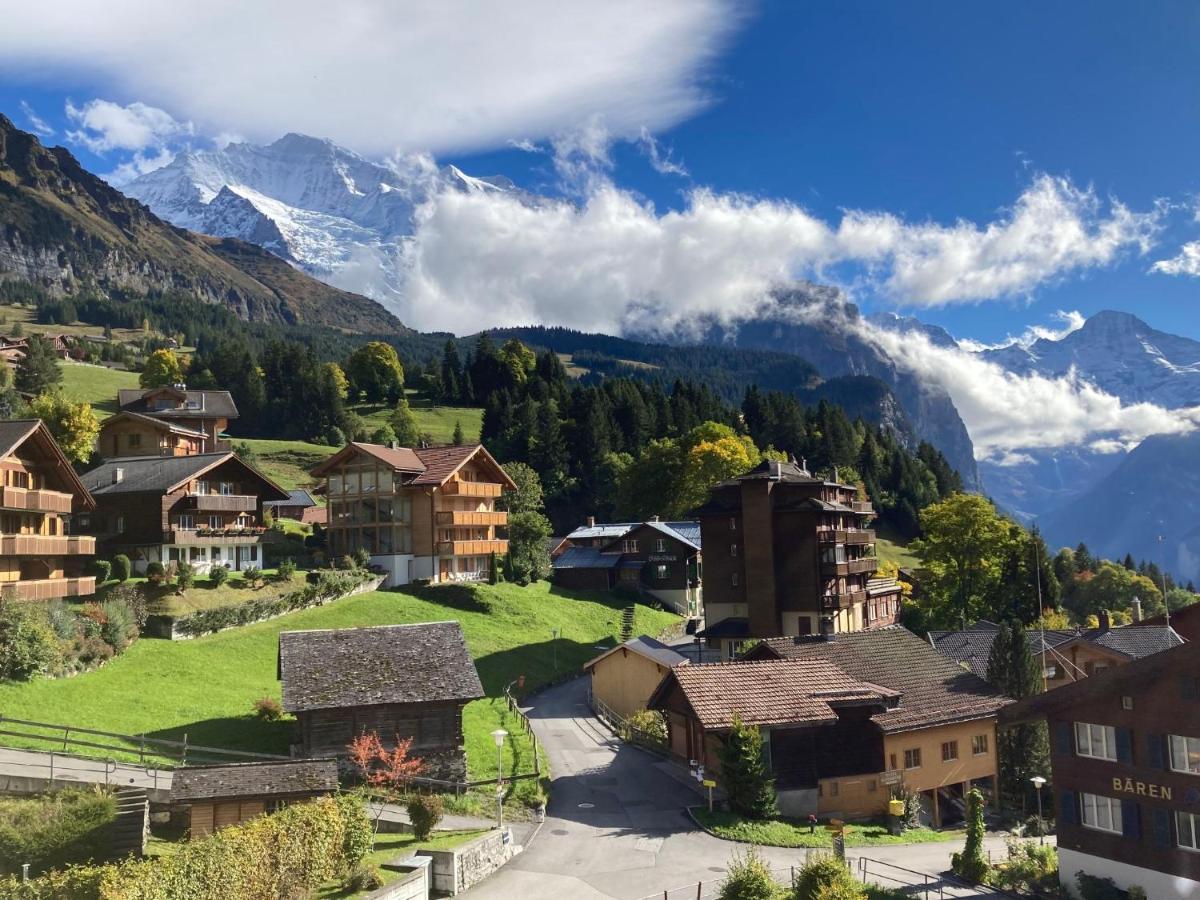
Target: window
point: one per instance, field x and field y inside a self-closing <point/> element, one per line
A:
<point x="135" y="440"/>
<point x="196" y="552"/>
<point x="1188" y="826"/>
<point x="629" y="546"/>
<point x="185" y="522"/>
<point x="833" y="789"/>
<point x="892" y="762"/>
<point x="201" y="487"/>
<point x="733" y="524"/>
<point x="733" y="579"/>
<point x="120" y="524"/>
<point x="1101" y="813"/>
<point x="912" y="758"/>
<point x="660" y="572"/>
<point x="1050" y="672"/>
<point x="660" y="546"/>
<point x="1185" y="754"/>
<point x="1096" y="741"/>
<point x="1126" y="702"/>
<point x="949" y="751"/>
<point x="733" y="549"/>
<point x="979" y="745"/>
<point x="226" y="488"/>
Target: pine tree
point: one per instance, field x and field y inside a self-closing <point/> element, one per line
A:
<point x="746" y="778"/>
<point x="459" y="439"/>
<point x="452" y="373"/>
<point x="1129" y="563"/>
<point x="38" y="372"/>
<point x="1023" y="749"/>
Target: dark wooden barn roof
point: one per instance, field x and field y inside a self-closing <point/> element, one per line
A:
<point x="256" y="779"/>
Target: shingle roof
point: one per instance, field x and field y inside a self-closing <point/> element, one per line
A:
<point x="585" y="558"/>
<point x="766" y="692"/>
<point x="159" y="474"/>
<point x="207" y="404"/>
<point x="297" y="497"/>
<point x="647" y="647"/>
<point x="730" y="627"/>
<point x="607" y="530"/>
<point x="934" y="689"/>
<point x="256" y="779"/>
<point x="331" y="669"/>
<point x="156" y="422"/>
<point x="14" y="433"/>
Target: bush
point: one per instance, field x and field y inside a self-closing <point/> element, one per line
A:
<point x="647" y="724"/>
<point x="1092" y="887"/>
<point x="118" y="627"/>
<point x="1030" y="868"/>
<point x="122" y="568"/>
<point x="363" y="878"/>
<point x="185" y="575"/>
<point x="749" y="878"/>
<point x="252" y="574"/>
<point x="103" y="570"/>
<point x="820" y="876"/>
<point x="287" y="569"/>
<point x="218" y="575"/>
<point x="335" y="437"/>
<point x="425" y="811"/>
<point x="362" y="556"/>
<point x="62" y="620"/>
<point x="155" y="572"/>
<point x="268" y="709"/>
<point x="133" y="597"/>
<point x="55" y="830"/>
<point x="28" y="645"/>
<point x="970" y="864"/>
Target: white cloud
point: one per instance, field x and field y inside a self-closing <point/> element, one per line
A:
<point x="39" y="125"/>
<point x="104" y="125"/>
<point x="139" y="164"/>
<point x="377" y="76"/>
<point x="660" y="160"/>
<point x="1186" y="262"/>
<point x="1070" y="321"/>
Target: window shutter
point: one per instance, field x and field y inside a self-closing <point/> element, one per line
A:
<point x="1124" y="745"/>
<point x="1067" y="810"/>
<point x="1062" y="738"/>
<point x="1162" y="828"/>
<point x="1155" y="743"/>
<point x="1131" y="825"/>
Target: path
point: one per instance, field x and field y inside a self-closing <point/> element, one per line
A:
<point x="617" y="827"/>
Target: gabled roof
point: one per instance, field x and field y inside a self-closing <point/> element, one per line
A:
<point x="432" y="465"/>
<point x="585" y="558"/>
<point x="1186" y="622"/>
<point x="645" y="646"/>
<point x="197" y="404"/>
<point x="297" y="497"/>
<point x="153" y="422"/>
<point x="686" y="531"/>
<point x="15" y="433"/>
<point x="877" y="587"/>
<point x="733" y="627"/>
<point x="602" y="531"/>
<point x="776" y="692"/>
<point x="163" y="474"/>
<point x="934" y="690"/>
<point x="333" y="669"/>
<point x="254" y="779"/>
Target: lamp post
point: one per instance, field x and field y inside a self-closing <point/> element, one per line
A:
<point x="1038" y="781"/>
<point x="498" y="736"/>
<point x="554" y="632"/>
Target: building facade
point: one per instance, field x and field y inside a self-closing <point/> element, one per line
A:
<point x="134" y="434"/>
<point x="1125" y="754"/>
<point x="42" y="501"/>
<point x="205" y="510"/>
<point x="789" y="553"/>
<point x="624" y="678"/>
<point x="422" y="514"/>
<point x="208" y="412"/>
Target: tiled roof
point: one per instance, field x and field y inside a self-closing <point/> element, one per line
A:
<point x="14" y="433"/>
<point x="933" y="688"/>
<point x="159" y="474"/>
<point x="346" y="667"/>
<point x="161" y="424"/>
<point x="585" y="558"/>
<point x="647" y="647"/>
<point x="197" y="404"/>
<point x="1135" y="642"/>
<point x="768" y="692"/>
<point x="400" y="458"/>
<point x="297" y="497"/>
<point x="442" y="462"/>
<point x="256" y="779"/>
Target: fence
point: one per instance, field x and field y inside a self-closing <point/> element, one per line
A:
<point x="514" y="707"/>
<point x="630" y="733"/>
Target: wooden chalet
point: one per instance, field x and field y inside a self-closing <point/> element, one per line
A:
<point x="136" y="434"/>
<point x="624" y="678"/>
<point x="209" y="412"/>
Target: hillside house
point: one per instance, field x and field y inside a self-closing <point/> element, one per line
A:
<point x="42" y="503"/>
<point x="398" y="681"/>
<point x="298" y="504"/>
<point x="624" y="678"/>
<point x="205" y="510"/>
<point x="423" y="514"/>
<point x="209" y="412"/>
<point x="135" y="434"/>
<point x="1186" y="622"/>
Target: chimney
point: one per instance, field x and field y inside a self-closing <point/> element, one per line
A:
<point x="591" y="521"/>
<point x="118" y="475"/>
<point x="804" y="464"/>
<point x="1105" y="623"/>
<point x="654" y="518"/>
<point x="827" y="632"/>
<point x="1137" y="610"/>
<point x="395" y="445"/>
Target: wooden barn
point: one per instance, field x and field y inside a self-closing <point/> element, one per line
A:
<point x="215" y="797"/>
<point x="624" y="677"/>
<point x="398" y="681"/>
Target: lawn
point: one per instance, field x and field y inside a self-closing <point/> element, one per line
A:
<point x="96" y="385"/>
<point x="436" y="421"/>
<point x="206" y="687"/>
<point x="896" y="553"/>
<point x="389" y="847"/>
<point x="288" y="463"/>
<point x="203" y="594"/>
<point x="788" y="833"/>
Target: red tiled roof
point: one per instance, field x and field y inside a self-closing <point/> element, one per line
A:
<point x="400" y="458"/>
<point x="442" y="462"/>
<point x="766" y="692"/>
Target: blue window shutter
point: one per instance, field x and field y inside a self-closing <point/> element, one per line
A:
<point x="1124" y="745"/>
<point x="1155" y="743"/>
<point x="1067" y="811"/>
<point x="1063" y="745"/>
<point x="1162" y="828"/>
<point x="1131" y="825"/>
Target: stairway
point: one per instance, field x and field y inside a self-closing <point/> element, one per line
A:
<point x="131" y="827"/>
<point x="627" y="623"/>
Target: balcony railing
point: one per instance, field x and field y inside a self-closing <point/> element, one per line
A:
<point x="37" y="501"/>
<point x="454" y="517"/>
<point x="847" y="535"/>
<point x="224" y="502"/>
<point x="193" y="537"/>
<point x="46" y="545"/>
<point x="844" y="600"/>
<point x="862" y="506"/>
<point x="48" y="588"/>
<point x="471" y="548"/>
<point x="866" y="565"/>
<point x="472" y="489"/>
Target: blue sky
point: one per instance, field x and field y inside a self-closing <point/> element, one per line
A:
<point x="929" y="112"/>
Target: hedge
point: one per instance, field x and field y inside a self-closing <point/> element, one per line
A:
<point x="52" y="831"/>
<point x="285" y="854"/>
<point x="330" y="585"/>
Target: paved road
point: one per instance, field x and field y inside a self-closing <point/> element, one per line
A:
<point x="617" y="826"/>
<point x="65" y="770"/>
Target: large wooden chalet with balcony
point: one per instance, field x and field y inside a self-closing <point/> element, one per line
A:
<point x="204" y="509"/>
<point x="426" y="513"/>
<point x="40" y="499"/>
<point x="168" y="421"/>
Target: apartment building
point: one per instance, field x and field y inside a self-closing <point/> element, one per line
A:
<point x="427" y="513"/>
<point x="41" y="498"/>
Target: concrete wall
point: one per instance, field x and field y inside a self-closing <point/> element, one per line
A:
<point x="413" y="884"/>
<point x="454" y="871"/>
<point x="1158" y="885"/>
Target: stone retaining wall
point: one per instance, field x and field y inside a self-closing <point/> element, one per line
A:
<point x="454" y="871"/>
<point x="414" y="884"/>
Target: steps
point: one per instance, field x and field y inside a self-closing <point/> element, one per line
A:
<point x="627" y="623"/>
<point x="131" y="827"/>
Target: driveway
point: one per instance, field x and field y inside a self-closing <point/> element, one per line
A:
<point x="617" y="825"/>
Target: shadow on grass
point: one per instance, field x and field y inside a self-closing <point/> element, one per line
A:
<point x="247" y="733"/>
<point x="542" y="663"/>
<point x="462" y="597"/>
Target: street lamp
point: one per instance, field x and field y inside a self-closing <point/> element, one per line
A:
<point x="1038" y="781"/>
<point x="554" y="632"/>
<point x="498" y="736"/>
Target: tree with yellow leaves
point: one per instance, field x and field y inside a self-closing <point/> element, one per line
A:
<point x="74" y="425"/>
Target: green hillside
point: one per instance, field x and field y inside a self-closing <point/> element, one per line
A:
<point x="96" y="385"/>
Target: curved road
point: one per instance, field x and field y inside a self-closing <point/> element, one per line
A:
<point x="617" y="827"/>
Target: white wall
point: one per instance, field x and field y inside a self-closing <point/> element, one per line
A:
<point x="397" y="567"/>
<point x="1158" y="885"/>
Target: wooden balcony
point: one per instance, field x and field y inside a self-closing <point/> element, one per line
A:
<point x="866" y="565"/>
<point x="48" y="588"/>
<point x="223" y="502"/>
<point x="846" y="536"/>
<point x="46" y="545"/>
<point x="862" y="506"/>
<point x="481" y="489"/>
<point x="35" y="501"/>
<point x="471" y="548"/>
<point x="842" y="601"/>
<point x="191" y="537"/>
<point x="455" y="517"/>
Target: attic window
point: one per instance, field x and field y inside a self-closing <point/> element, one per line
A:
<point x="1126" y="702"/>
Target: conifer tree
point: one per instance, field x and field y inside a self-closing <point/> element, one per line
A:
<point x="452" y="373"/>
<point x="38" y="372"/>
<point x="1023" y="749"/>
<point x="746" y="778"/>
<point x="459" y="438"/>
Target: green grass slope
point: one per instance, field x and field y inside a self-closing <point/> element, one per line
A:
<point x="96" y="385"/>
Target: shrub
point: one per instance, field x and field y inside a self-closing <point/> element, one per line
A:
<point x="746" y="775"/>
<point x="363" y="878"/>
<point x="132" y="596"/>
<point x="118" y="627"/>
<point x="28" y="645"/>
<point x="103" y="570"/>
<point x="819" y="876"/>
<point x="55" y="830"/>
<point x="647" y="724"/>
<point x="1092" y="887"/>
<point x="362" y="556"/>
<point x="425" y="811"/>
<point x="335" y="437"/>
<point x="1031" y="869"/>
<point x="970" y="864"/>
<point x="287" y="569"/>
<point x="122" y="568"/>
<point x="185" y="575"/>
<point x="155" y="572"/>
<point x="251" y="574"/>
<point x="217" y="575"/>
<point x="749" y="878"/>
<point x="268" y="709"/>
<point x="62" y="620"/>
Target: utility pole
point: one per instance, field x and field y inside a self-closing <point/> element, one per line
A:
<point x="1162" y="574"/>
